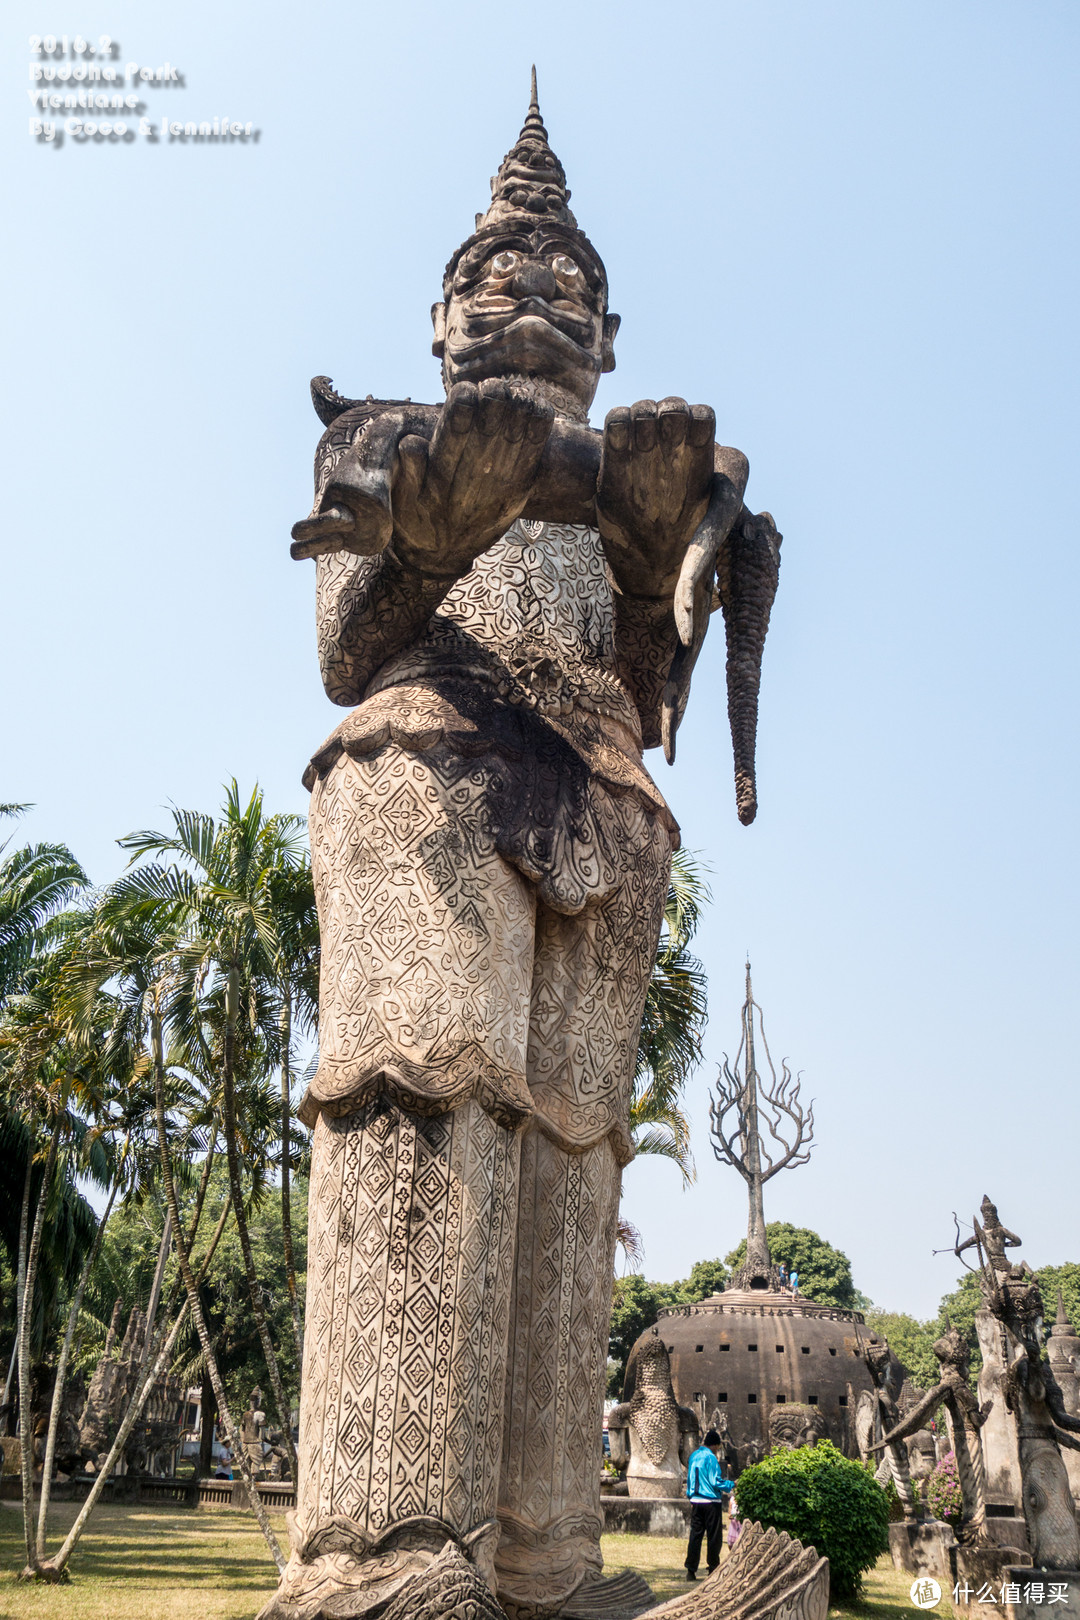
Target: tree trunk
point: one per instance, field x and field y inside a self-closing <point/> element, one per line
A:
<point x="26" y="1427"/>
<point x="53" y="1569"/>
<point x="61" y="1373"/>
<point x="155" y="1289"/>
<point x="20" y="1282"/>
<point x="195" y="1304"/>
<point x="286" y="1191"/>
<point x="208" y="1409"/>
<point x="232" y="1154"/>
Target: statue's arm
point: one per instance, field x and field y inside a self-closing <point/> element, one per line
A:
<point x="405" y="500"/>
<point x="368" y="609"/>
<point x="915" y="1418"/>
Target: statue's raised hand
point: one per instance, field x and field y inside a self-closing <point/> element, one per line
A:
<point x="656" y="473"/>
<point x="455" y="494"/>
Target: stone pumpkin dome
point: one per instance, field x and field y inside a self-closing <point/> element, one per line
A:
<point x="739" y="1356"/>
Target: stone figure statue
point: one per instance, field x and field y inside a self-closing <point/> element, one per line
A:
<point x="651" y="1435"/>
<point x="510" y="604"/>
<point x="1063" y="1354"/>
<point x="1043" y="1426"/>
<point x="965" y="1418"/>
<point x="895" y="1464"/>
<point x="794" y="1425"/>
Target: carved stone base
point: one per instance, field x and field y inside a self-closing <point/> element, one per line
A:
<point x="923" y="1549"/>
<point x="397" y="1577"/>
<point x="975" y="1568"/>
<point x="1033" y="1603"/>
<point x="655" y="1485"/>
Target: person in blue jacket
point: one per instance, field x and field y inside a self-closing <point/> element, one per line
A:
<point x="708" y="1487"/>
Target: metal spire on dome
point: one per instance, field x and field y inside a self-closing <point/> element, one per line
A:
<point x="741" y="1143"/>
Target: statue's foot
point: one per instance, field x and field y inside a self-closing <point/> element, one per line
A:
<point x="402" y="1582"/>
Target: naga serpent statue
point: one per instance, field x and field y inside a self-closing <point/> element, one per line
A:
<point x="510" y="604"/>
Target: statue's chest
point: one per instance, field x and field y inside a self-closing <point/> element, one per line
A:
<point x="543" y="581"/>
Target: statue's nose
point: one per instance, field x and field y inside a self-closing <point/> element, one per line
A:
<point x="534" y="280"/>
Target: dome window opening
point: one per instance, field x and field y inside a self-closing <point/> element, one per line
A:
<point x="779" y="1349"/>
<point x="699" y="1348"/>
<point x="722" y="1395"/>
<point x="832" y="1350"/>
<point x="805" y="1349"/>
<point x="842" y="1400"/>
<point x="781" y="1400"/>
<point x="751" y="1347"/>
<point x="811" y="1400"/>
<point x="725" y="1347"/>
<point x="752" y="1399"/>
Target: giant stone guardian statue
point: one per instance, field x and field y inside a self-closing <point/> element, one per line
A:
<point x="509" y="605"/>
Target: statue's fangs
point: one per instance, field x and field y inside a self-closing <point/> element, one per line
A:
<point x="510" y="604"/>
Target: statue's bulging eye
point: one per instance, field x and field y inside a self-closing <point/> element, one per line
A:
<point x="503" y="263"/>
<point x="565" y="267"/>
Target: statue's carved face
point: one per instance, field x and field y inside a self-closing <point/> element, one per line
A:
<point x="952" y="1351"/>
<point x="794" y="1426"/>
<point x="527" y="304"/>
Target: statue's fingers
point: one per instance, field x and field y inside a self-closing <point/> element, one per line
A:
<point x="702" y="426"/>
<point x="617" y="432"/>
<point x="409" y="470"/>
<point x="643" y="425"/>
<point x="493" y="408"/>
<point x="673" y="422"/>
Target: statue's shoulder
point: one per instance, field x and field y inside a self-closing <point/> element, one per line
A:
<point x="329" y="404"/>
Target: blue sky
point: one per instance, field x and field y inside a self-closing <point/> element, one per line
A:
<point x="850" y="227"/>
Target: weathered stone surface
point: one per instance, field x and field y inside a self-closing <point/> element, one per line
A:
<point x="1038" y="1587"/>
<point x="769" y="1575"/>
<point x="651" y="1435"/>
<point x="972" y="1569"/>
<point x="646" y="1515"/>
<point x="964" y="1418"/>
<point x="155" y="1438"/>
<point x="1030" y="1391"/>
<point x="619" y="1598"/>
<point x="1063" y="1354"/>
<point x="514" y="603"/>
<point x="923" y="1549"/>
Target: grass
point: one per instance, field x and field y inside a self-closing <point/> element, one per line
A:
<point x="137" y="1563"/>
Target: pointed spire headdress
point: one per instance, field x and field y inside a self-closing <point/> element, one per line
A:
<point x="529" y="190"/>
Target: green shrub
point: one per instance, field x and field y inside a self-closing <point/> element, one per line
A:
<point x="827" y="1502"/>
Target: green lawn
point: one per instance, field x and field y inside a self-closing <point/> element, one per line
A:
<point x="144" y="1564"/>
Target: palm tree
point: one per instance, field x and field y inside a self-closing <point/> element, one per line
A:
<point x="36" y="882"/>
<point x="672" y="1024"/>
<point x="53" y="1084"/>
<point x="139" y="946"/>
<point x="234" y="903"/>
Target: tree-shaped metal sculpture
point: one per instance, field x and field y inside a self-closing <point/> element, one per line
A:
<point x="735" y="1116"/>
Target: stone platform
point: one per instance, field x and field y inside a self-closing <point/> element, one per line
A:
<point x="1035" y="1588"/>
<point x="646" y="1515"/>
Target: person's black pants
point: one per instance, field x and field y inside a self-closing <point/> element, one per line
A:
<point x="706" y="1519"/>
